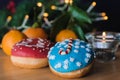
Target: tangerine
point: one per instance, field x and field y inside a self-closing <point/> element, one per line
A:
<point x="65" y="34"/>
<point x="11" y="38"/>
<point x="35" y="33"/>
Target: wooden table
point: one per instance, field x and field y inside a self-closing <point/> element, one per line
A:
<point x="100" y="71"/>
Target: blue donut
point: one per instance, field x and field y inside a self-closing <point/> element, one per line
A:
<point x="70" y="55"/>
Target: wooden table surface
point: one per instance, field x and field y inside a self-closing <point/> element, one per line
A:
<point x="100" y="71"/>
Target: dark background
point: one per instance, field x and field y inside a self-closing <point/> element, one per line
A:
<point x="111" y="7"/>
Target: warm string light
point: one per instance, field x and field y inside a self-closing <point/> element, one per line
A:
<point x="91" y="7"/>
<point x="45" y="15"/>
<point x="39" y="4"/>
<point x="53" y="7"/>
<point x="68" y="2"/>
<point x="9" y="18"/>
<point x="100" y="18"/>
<point x="25" y="20"/>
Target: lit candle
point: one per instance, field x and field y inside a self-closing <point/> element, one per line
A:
<point x="91" y="7"/>
<point x="104" y="34"/>
<point x="104" y="37"/>
<point x="25" y="20"/>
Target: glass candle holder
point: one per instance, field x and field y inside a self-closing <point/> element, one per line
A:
<point x="105" y="46"/>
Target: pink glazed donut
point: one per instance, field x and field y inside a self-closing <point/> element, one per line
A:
<point x="31" y="53"/>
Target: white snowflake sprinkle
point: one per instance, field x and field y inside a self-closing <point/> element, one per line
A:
<point x="15" y="50"/>
<point x="77" y="43"/>
<point x="63" y="43"/>
<point x="77" y="47"/>
<point x="58" y="65"/>
<point x="58" y="46"/>
<point x="65" y="66"/>
<point x="78" y="64"/>
<point x="88" y="55"/>
<point x="52" y="57"/>
<point x="71" y="59"/>
<point x="65" y="46"/>
<point x="75" y="51"/>
<point x="87" y="49"/>
<point x="89" y="45"/>
<point x="82" y="46"/>
<point x="20" y="48"/>
<point x="33" y="49"/>
<point x="86" y="60"/>
<point x="40" y="51"/>
<point x="66" y="62"/>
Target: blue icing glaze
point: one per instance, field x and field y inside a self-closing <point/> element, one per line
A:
<point x="77" y="58"/>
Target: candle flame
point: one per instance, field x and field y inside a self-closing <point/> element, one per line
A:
<point x="26" y="16"/>
<point x="93" y="4"/>
<point x="104" y="36"/>
<point x="45" y="14"/>
<point x="53" y="7"/>
<point x="39" y="4"/>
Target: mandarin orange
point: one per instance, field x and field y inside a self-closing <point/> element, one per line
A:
<point x="35" y="33"/>
<point x="65" y="34"/>
<point x="10" y="38"/>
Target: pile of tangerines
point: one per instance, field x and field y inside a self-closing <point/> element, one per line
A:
<point x="13" y="36"/>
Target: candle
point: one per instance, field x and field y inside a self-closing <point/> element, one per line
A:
<point x="104" y="37"/>
<point x="25" y="20"/>
<point x="91" y="7"/>
<point x="104" y="34"/>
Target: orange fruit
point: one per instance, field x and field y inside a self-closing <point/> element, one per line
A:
<point x="65" y="34"/>
<point x="35" y="33"/>
<point x="10" y="38"/>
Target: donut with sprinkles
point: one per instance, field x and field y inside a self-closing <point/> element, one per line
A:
<point x="31" y="53"/>
<point x="71" y="58"/>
